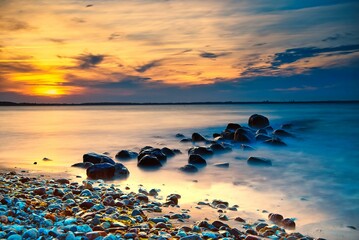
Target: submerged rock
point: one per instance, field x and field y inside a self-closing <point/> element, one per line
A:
<point x="168" y="152"/>
<point x="258" y="121"/>
<point x="85" y="165"/>
<point x="275" y="142"/>
<point x="276" y="218"/>
<point x="232" y="126"/>
<point x="189" y="168"/>
<point x="196" y="159"/>
<point x="196" y="137"/>
<point x="282" y="133"/>
<point x="243" y="135"/>
<point x="219" y="148"/>
<point x="96" y="158"/>
<point x="262" y="137"/>
<point x="149" y="161"/>
<point x="101" y="171"/>
<point x="221" y="165"/>
<point x="203" y="151"/>
<point x="288" y="223"/>
<point x="259" y="161"/>
<point x="121" y="170"/>
<point x="126" y="155"/>
<point x="153" y="152"/>
<point x="246" y="147"/>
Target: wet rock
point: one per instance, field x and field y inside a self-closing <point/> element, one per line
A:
<point x="262" y="137"/>
<point x="40" y="191"/>
<point x="173" y="198"/>
<point x="126" y="155"/>
<point x="223" y="217"/>
<point x="153" y="192"/>
<point x="257" y="161"/>
<point x="251" y="231"/>
<point x="352" y="227"/>
<point x="203" y="151"/>
<point x="96" y="158"/>
<point x="288" y="223"/>
<point x="189" y="168"/>
<point x="179" y="135"/>
<point x="101" y="171"/>
<point x="31" y="234"/>
<point x="168" y="152"/>
<point x="217" y="202"/>
<point x="219" y="148"/>
<point x="153" y="152"/>
<point x="276" y="218"/>
<point x="62" y="181"/>
<point x="121" y="170"/>
<point x="258" y="121"/>
<point x="282" y="133"/>
<point x="219" y="224"/>
<point x="246" y="147"/>
<point x="196" y="159"/>
<point x="242" y="135"/>
<point x="185" y="140"/>
<point x="261" y="131"/>
<point x="196" y="137"/>
<point x="215" y="135"/>
<point x="96" y="234"/>
<point x="239" y="219"/>
<point x="275" y="142"/>
<point x="228" y="135"/>
<point x="259" y="226"/>
<point x="85" y="165"/>
<point x="221" y="165"/>
<point x="58" y="192"/>
<point x="233" y="126"/>
<point x="191" y="237"/>
<point x="287" y="126"/>
<point x="149" y="161"/>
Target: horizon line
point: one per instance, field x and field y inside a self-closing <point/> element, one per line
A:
<point x="10" y="103"/>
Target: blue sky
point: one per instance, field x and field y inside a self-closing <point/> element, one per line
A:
<point x="170" y="51"/>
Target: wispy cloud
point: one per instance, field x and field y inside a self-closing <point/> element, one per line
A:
<point x="148" y="66"/>
<point x="212" y="55"/>
<point x="86" y="61"/>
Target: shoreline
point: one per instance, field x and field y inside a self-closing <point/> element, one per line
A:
<point x="204" y="220"/>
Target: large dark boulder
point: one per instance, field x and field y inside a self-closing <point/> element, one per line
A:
<point x="196" y="159"/>
<point x="101" y="171"/>
<point x="126" y="155"/>
<point x="189" y="168"/>
<point x="96" y="158"/>
<point x="258" y="161"/>
<point x="149" y="161"/>
<point x="196" y="137"/>
<point x="203" y="151"/>
<point x="258" y="121"/>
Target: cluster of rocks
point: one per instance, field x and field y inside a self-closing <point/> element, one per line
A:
<point x="150" y="157"/>
<point x="36" y="208"/>
<point x="258" y="131"/>
<point x="100" y="166"/>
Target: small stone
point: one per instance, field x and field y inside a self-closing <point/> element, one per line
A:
<point x="95" y="234"/>
<point x="63" y="181"/>
<point x="221" y="165"/>
<point x="276" y="218"/>
<point x="239" y="219"/>
<point x="40" y="191"/>
<point x="31" y="234"/>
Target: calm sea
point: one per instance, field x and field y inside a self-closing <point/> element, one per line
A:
<point x="315" y="179"/>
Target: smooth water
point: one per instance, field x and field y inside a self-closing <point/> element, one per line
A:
<point x="314" y="179"/>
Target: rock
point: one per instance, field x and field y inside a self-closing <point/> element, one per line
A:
<point x="228" y="135"/>
<point x="168" y="152"/>
<point x="85" y="165"/>
<point x="121" y="170"/>
<point x="259" y="161"/>
<point x="262" y="137"/>
<point x="179" y="135"/>
<point x="173" y="198"/>
<point x="196" y="137"/>
<point x="233" y="126"/>
<point x="189" y="168"/>
<point x="222" y="165"/>
<point x="239" y="219"/>
<point x="94" y="235"/>
<point x="282" y="133"/>
<point x="260" y="226"/>
<point x="223" y="217"/>
<point x="101" y="171"/>
<point x="261" y="131"/>
<point x="40" y="191"/>
<point x="287" y="126"/>
<point x="191" y="237"/>
<point x="219" y="224"/>
<point x="15" y="237"/>
<point x="246" y="147"/>
<point x="154" y="152"/>
<point x="288" y="223"/>
<point x="87" y="204"/>
<point x="196" y="159"/>
<point x="217" y="202"/>
<point x="276" y="218"/>
<point x="31" y="234"/>
<point x="215" y="135"/>
<point x="250" y="237"/>
<point x="126" y="155"/>
<point x="35" y="163"/>
<point x="96" y="158"/>
<point x="203" y="151"/>
<point x="242" y="135"/>
<point x="149" y="161"/>
<point x="62" y="181"/>
<point x="258" y="121"/>
<point x="275" y="142"/>
<point x="216" y="147"/>
<point x="184" y="140"/>
<point x="58" y="192"/>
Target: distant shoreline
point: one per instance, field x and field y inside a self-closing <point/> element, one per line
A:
<point x="9" y="104"/>
<point x="5" y="103"/>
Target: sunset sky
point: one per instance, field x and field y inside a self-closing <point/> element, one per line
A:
<point x="178" y="50"/>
